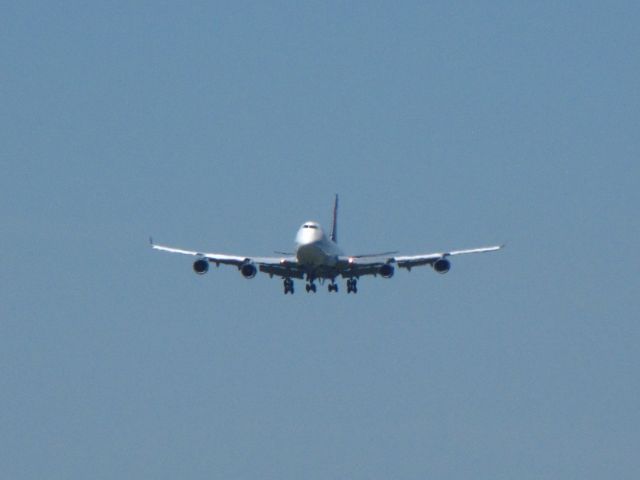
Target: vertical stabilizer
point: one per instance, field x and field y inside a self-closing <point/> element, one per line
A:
<point x="334" y="227"/>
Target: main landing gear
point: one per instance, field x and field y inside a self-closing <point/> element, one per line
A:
<point x="352" y="286"/>
<point x="288" y="286"/>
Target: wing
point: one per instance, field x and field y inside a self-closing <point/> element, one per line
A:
<point x="411" y="261"/>
<point x="283" y="266"/>
<point x="382" y="265"/>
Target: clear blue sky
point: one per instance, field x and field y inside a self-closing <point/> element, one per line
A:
<point x="224" y="126"/>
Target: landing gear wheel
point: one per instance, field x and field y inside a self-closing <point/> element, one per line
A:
<point x="311" y="287"/>
<point x="352" y="285"/>
<point x="333" y="287"/>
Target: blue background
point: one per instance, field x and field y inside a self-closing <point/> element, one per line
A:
<point x="222" y="127"/>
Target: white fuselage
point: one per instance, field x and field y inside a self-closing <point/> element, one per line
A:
<point x="314" y="249"/>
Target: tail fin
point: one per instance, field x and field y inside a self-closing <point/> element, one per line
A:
<point x="334" y="227"/>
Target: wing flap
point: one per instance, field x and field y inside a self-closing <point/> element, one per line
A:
<point x="408" y="261"/>
<point x="285" y="269"/>
<point x="357" y="266"/>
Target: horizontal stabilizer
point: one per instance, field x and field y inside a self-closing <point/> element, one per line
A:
<point x="373" y="255"/>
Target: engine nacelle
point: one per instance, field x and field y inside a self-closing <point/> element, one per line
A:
<point x="248" y="270"/>
<point x="387" y="270"/>
<point x="201" y="266"/>
<point x="442" y="265"/>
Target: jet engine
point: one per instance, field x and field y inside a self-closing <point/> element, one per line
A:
<point x="248" y="270"/>
<point x="201" y="266"/>
<point x="442" y="266"/>
<point x="387" y="270"/>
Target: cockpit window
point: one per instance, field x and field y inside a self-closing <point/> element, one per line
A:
<point x="310" y="226"/>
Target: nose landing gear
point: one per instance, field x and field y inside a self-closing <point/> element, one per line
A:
<point x="311" y="287"/>
<point x="333" y="287"/>
<point x="352" y="285"/>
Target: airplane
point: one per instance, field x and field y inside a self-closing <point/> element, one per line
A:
<point x="318" y="257"/>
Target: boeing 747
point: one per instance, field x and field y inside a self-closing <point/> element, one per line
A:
<point x="318" y="257"/>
